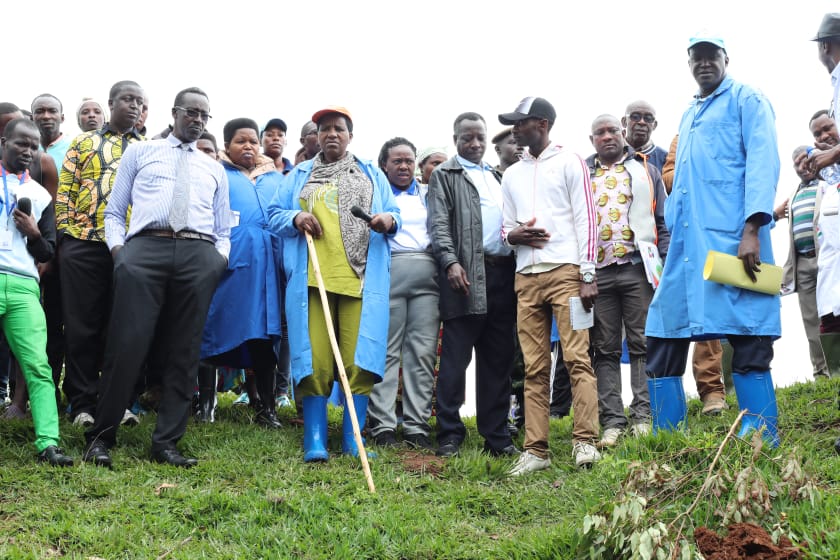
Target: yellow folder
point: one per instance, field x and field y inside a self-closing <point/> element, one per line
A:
<point x="729" y="270"/>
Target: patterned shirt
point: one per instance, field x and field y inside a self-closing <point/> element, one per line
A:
<point x="802" y="216"/>
<point x="85" y="181"/>
<point x="613" y="195"/>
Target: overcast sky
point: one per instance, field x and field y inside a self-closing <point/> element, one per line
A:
<point x="407" y="69"/>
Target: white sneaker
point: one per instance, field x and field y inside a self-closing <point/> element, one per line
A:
<point x="283" y="401"/>
<point x="610" y="437"/>
<point x="585" y="454"/>
<point x="129" y="419"/>
<point x="640" y="430"/>
<point x="83" y="419"/>
<point x="528" y="463"/>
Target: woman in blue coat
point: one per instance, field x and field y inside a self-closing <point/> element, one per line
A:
<point x="316" y="198"/>
<point x="244" y="317"/>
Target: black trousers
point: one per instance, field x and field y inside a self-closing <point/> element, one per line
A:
<point x="666" y="357"/>
<point x="86" y="280"/>
<point x="492" y="337"/>
<point x="51" y="298"/>
<point x="163" y="283"/>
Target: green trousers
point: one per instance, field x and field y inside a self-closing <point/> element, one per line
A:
<point x="346" y="312"/>
<point x="23" y="322"/>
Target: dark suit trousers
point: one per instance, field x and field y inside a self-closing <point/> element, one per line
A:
<point x="86" y="280"/>
<point x="492" y="336"/>
<point x="162" y="291"/>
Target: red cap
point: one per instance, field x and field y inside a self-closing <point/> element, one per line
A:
<point x="318" y="115"/>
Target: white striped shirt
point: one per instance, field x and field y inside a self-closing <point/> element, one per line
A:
<point x="146" y="180"/>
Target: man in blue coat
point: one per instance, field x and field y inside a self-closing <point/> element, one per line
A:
<point x="727" y="168"/>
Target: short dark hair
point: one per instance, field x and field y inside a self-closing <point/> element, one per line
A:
<point x="14" y="124"/>
<point x="798" y="150"/>
<point x="817" y="115"/>
<point x="393" y="143"/>
<point x="179" y="98"/>
<point x="37" y="97"/>
<point x="6" y="108"/>
<point x="233" y="125"/>
<point x="118" y="87"/>
<point x="468" y="116"/>
<point x="207" y="136"/>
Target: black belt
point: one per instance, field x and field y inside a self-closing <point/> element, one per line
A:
<point x="497" y="260"/>
<point x="168" y="233"/>
<point x="808" y="254"/>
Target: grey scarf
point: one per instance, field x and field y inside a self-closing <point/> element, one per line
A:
<point x="354" y="188"/>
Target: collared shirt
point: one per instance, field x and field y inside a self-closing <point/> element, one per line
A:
<point x="85" y="181"/>
<point x="146" y="181"/>
<point x="413" y="235"/>
<point x="802" y="208"/>
<point x="613" y="196"/>
<point x="490" y="193"/>
<point x="835" y="101"/>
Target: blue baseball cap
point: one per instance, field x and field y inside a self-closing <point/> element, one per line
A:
<point x="705" y="37"/>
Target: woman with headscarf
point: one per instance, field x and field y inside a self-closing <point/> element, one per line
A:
<point x="244" y="317"/>
<point x="427" y="160"/>
<point x="91" y="114"/>
<point x="316" y="198"/>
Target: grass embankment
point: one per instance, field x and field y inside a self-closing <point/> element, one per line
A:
<point x="253" y="497"/>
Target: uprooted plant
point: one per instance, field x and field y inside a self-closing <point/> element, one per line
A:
<point x="740" y="483"/>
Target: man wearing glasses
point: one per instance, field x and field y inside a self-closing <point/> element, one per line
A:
<point x="639" y="122"/>
<point x="85" y="182"/>
<point x="166" y="268"/>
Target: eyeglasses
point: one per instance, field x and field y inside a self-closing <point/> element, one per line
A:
<point x="195" y="113"/>
<point x="647" y="117"/>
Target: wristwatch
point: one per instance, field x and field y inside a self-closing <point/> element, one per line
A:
<point x="587" y="277"/>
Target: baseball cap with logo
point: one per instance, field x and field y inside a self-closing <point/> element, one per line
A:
<point x="530" y="108"/>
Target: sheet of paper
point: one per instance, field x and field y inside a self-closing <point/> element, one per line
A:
<point x="581" y="318"/>
<point x="652" y="262"/>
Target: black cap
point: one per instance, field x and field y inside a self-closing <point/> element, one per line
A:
<point x="529" y="108"/>
<point x="275" y="123"/>
<point x="502" y="135"/>
<point x="830" y="27"/>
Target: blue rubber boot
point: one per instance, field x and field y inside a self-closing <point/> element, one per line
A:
<point x="756" y="395"/>
<point x="315" y="429"/>
<point x="348" y="441"/>
<point x="667" y="403"/>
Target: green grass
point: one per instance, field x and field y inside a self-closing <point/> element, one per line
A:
<point x="253" y="497"/>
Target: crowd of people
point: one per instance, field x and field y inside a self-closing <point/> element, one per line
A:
<point x="137" y="270"/>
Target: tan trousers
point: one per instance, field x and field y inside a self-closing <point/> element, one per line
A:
<point x="707" y="369"/>
<point x="541" y="295"/>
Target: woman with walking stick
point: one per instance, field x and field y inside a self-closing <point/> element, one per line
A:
<point x="315" y="201"/>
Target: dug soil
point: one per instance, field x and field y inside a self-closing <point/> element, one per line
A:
<point x="745" y="541"/>
<point x="422" y="463"/>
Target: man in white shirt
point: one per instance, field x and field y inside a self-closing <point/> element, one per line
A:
<point x="166" y="268"/>
<point x="549" y="218"/>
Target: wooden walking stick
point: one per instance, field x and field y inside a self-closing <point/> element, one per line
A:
<point x="345" y="384"/>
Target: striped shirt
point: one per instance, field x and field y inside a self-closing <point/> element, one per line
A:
<point x="802" y="217"/>
<point x="85" y="181"/>
<point x="146" y="182"/>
